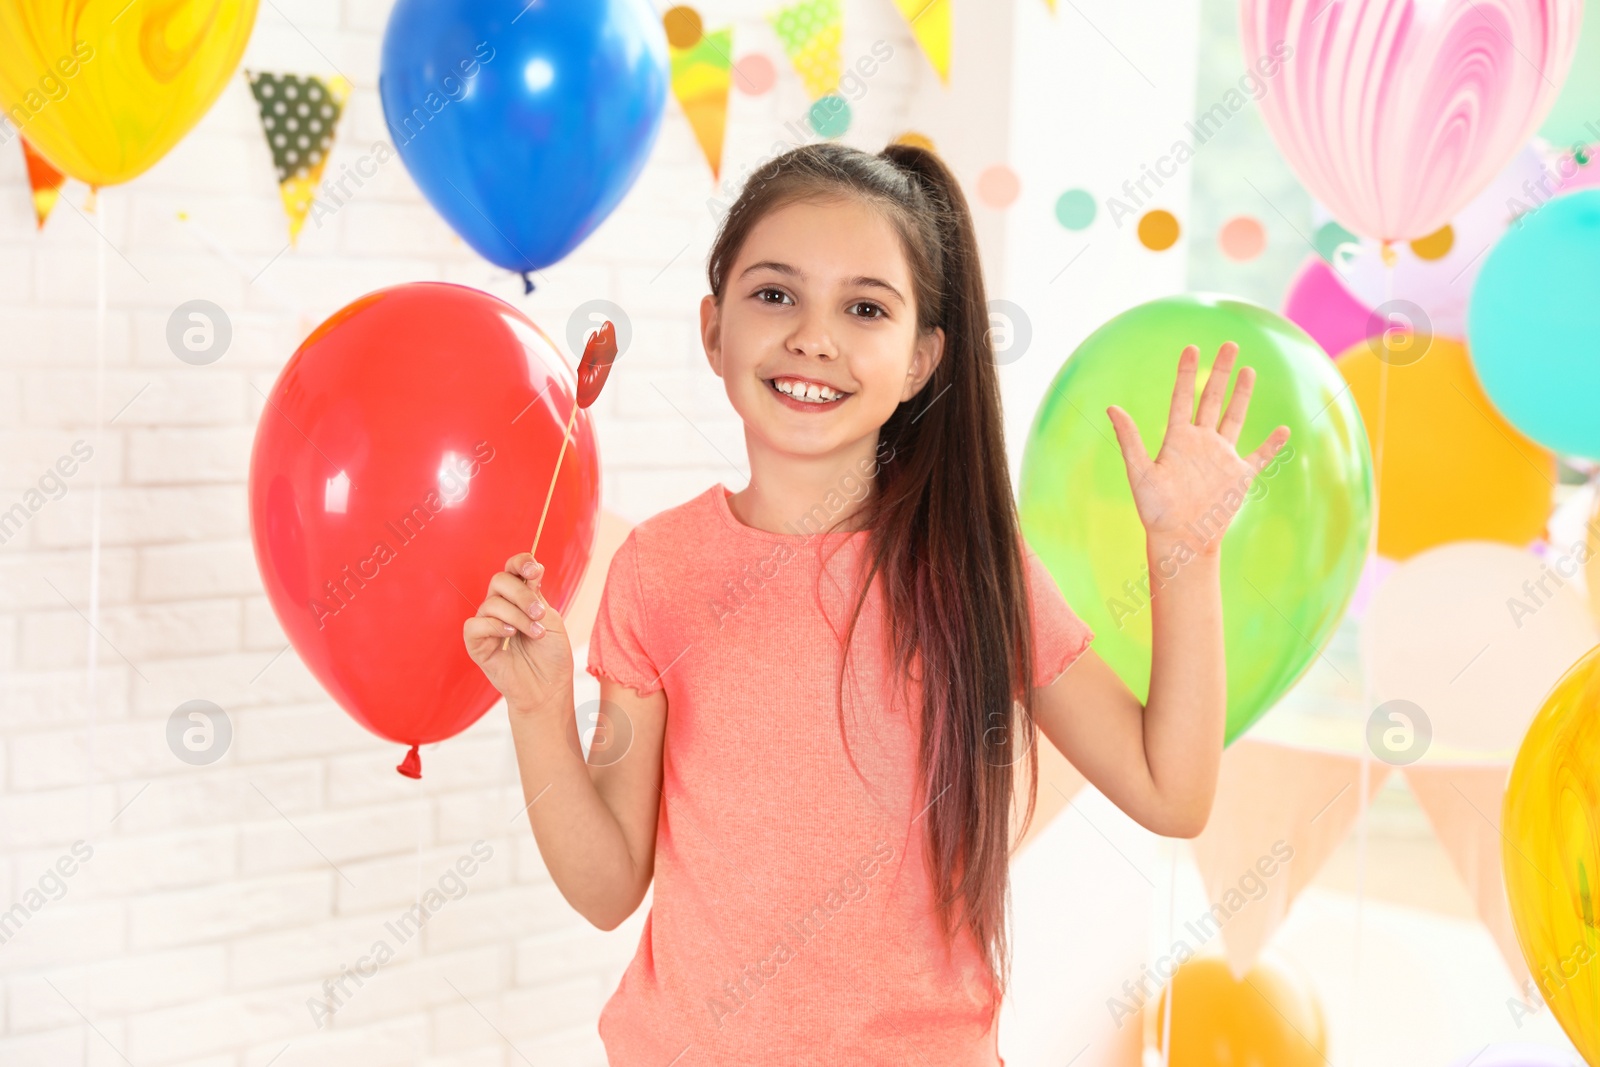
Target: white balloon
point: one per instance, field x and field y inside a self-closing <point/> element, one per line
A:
<point x="1475" y="633"/>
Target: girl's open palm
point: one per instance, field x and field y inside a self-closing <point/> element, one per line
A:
<point x="1197" y="482"/>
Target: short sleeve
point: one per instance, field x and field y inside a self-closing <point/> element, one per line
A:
<point x="1059" y="636"/>
<point x="618" y="645"/>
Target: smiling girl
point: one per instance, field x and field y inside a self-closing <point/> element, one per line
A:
<point x="816" y="690"/>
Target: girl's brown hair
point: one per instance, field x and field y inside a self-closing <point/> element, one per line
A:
<point x="942" y="525"/>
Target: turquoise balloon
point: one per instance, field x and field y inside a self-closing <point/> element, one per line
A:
<point x="1294" y="550"/>
<point x="1533" y="324"/>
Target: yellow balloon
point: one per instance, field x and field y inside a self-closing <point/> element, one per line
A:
<point x="1551" y="852"/>
<point x="1271" y="1019"/>
<point x="104" y="88"/>
<point x="1453" y="468"/>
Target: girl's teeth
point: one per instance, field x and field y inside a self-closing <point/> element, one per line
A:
<point x="808" y="392"/>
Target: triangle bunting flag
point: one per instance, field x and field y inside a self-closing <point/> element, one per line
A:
<point x="299" y="114"/>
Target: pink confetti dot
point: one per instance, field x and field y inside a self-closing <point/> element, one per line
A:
<point x="1242" y="238"/>
<point x="754" y="74"/>
<point x="998" y="186"/>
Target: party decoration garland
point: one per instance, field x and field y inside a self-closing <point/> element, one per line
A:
<point x="811" y="31"/>
<point x="299" y="115"/>
<point x="701" y="76"/>
<point x="44" y="180"/>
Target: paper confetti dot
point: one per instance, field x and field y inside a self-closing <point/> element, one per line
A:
<point x="1075" y="209"/>
<point x="1436" y="245"/>
<point x="998" y="186"/>
<point x="916" y="140"/>
<point x="1242" y="238"/>
<point x="830" y="116"/>
<point x="1330" y="236"/>
<point x="1158" y="230"/>
<point x="754" y="74"/>
<point x="683" y="25"/>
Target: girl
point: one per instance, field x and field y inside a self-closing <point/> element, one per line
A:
<point x="814" y="691"/>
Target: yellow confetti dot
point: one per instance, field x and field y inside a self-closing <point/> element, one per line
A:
<point x="1158" y="230"/>
<point x="915" y="140"/>
<point x="1436" y="245"/>
<point x="683" y="25"/>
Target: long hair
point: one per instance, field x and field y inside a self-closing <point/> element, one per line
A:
<point x="942" y="527"/>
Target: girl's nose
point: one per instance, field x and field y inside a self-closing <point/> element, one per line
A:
<point x="813" y="340"/>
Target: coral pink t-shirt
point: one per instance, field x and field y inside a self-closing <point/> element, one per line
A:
<point x="792" y="920"/>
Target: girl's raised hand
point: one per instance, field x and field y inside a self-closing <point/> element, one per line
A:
<point x="1194" y="487"/>
<point x="535" y="671"/>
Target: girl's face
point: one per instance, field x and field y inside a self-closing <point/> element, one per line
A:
<point x="819" y="298"/>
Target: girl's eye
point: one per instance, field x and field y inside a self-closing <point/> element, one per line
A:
<point x="761" y="297"/>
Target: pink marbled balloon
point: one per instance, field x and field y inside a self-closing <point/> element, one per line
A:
<point x="1396" y="113"/>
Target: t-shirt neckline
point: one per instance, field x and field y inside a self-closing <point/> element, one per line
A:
<point x="721" y="493"/>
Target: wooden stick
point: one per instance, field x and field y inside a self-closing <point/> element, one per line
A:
<point x="565" y="437"/>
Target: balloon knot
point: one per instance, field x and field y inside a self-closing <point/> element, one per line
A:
<point x="527" y="284"/>
<point x="411" y="766"/>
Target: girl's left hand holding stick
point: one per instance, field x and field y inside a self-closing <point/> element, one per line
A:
<point x="598" y="355"/>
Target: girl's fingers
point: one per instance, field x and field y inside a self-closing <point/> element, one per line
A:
<point x="1216" y="386"/>
<point x="1182" y="409"/>
<point x="481" y="627"/>
<point x="498" y="607"/>
<point x="1238" y="405"/>
<point x="1134" y="456"/>
<point x="520" y="591"/>
<point x="1269" y="448"/>
<point x="524" y="566"/>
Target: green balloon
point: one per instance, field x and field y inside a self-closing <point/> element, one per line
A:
<point x="1295" y="549"/>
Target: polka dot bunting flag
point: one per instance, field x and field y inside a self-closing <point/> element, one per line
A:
<point x="299" y="114"/>
<point x="811" y="31"/>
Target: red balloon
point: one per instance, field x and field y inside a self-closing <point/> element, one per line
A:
<point x="401" y="459"/>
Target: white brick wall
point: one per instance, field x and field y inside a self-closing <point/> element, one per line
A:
<point x="218" y="899"/>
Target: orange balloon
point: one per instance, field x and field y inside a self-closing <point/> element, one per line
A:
<point x="1452" y="467"/>
<point x="1271" y="1019"/>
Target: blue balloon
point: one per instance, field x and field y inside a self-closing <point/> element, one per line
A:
<point x="524" y="122"/>
<point x="1533" y="324"/>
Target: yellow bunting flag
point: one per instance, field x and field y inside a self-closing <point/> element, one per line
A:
<point x="701" y="75"/>
<point x="811" y="31"/>
<point x="44" y="180"/>
<point x="299" y="114"/>
<point x="930" y="24"/>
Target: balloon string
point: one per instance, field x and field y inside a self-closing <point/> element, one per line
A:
<point x="422" y="820"/>
<point x="94" y="208"/>
<point x="1385" y="354"/>
<point x="1366" y="754"/>
<point x="94" y="522"/>
<point x="550" y="492"/>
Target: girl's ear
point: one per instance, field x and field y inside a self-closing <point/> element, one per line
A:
<point x="711" y="333"/>
<point x="924" y="360"/>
